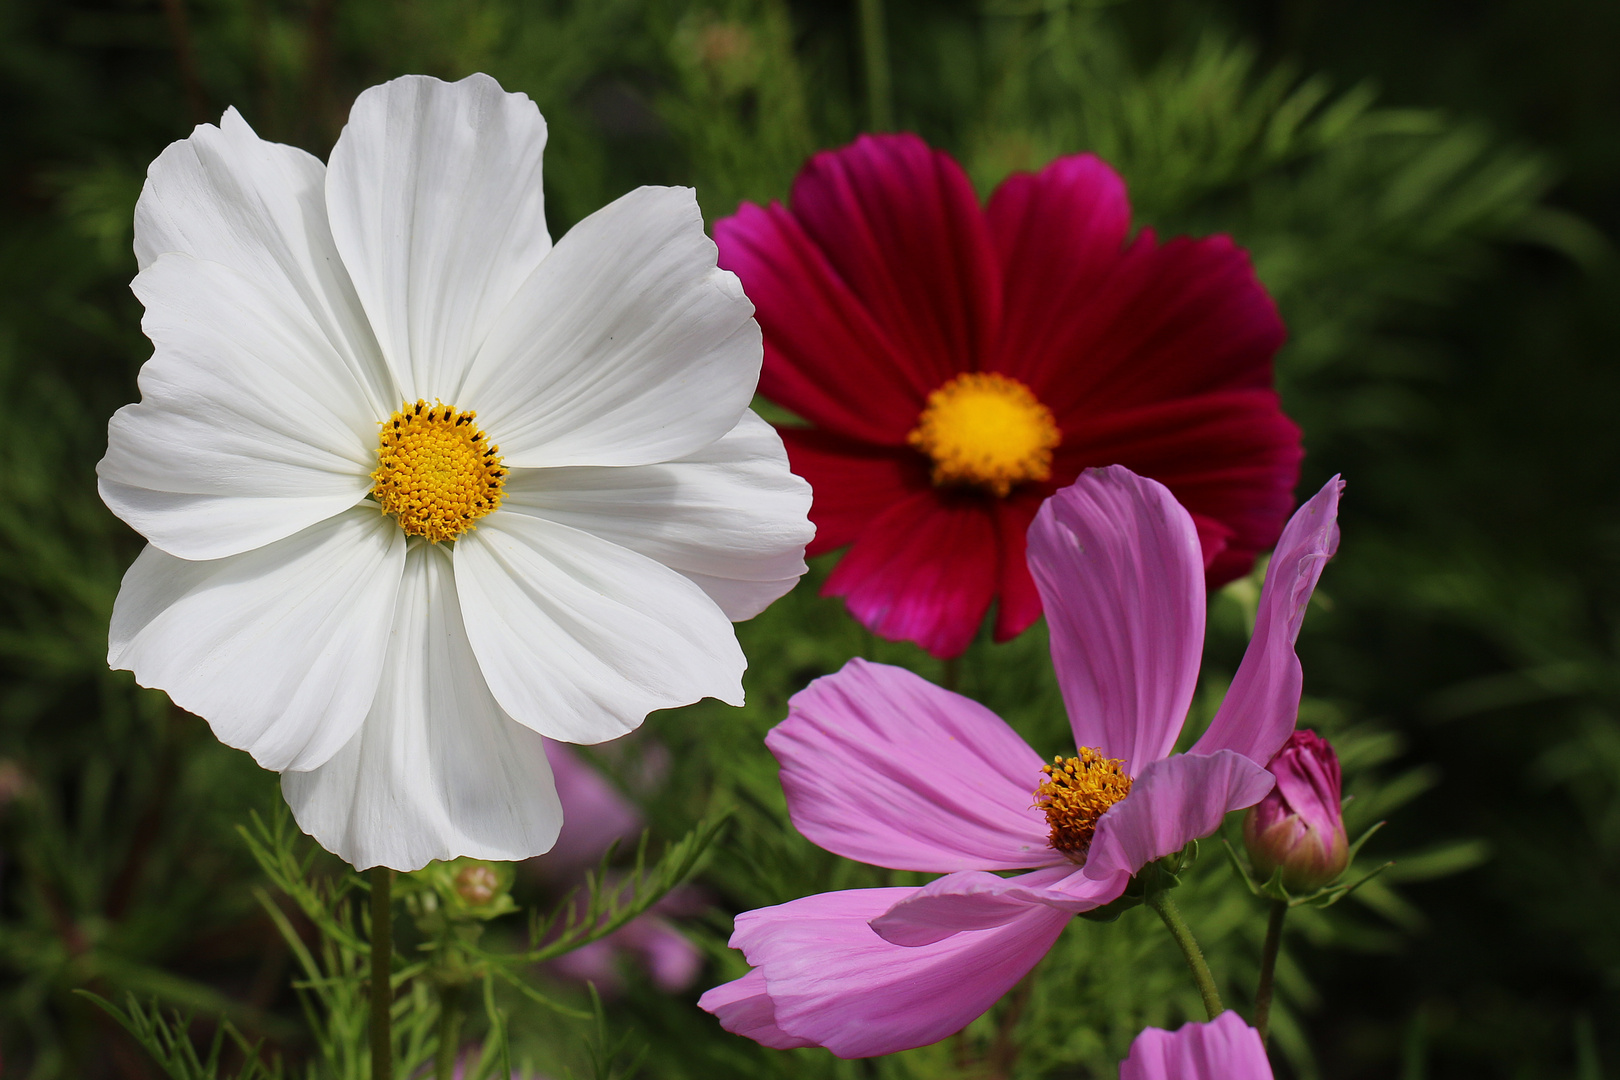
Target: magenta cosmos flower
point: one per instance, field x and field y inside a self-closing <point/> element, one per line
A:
<point x="1299" y="826"/>
<point x="957" y="365"/>
<point x="884" y="767"/>
<point x="1224" y="1049"/>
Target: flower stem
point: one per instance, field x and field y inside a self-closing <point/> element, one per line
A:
<point x="1159" y="900"/>
<point x="875" y="50"/>
<point x="382" y="968"/>
<point x="1268" y="969"/>
<point x="449" y="1031"/>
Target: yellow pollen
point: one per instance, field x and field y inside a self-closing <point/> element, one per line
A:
<point x="1076" y="792"/>
<point x="437" y="472"/>
<point x="988" y="431"/>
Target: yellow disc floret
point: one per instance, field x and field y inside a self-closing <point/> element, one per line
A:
<point x="988" y="431"/>
<point x="1076" y="792"/>
<point x="437" y="472"/>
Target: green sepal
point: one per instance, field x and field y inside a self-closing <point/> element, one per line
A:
<point x="1111" y="911"/>
<point x="1326" y="896"/>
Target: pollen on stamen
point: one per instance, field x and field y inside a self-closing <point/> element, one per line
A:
<point x="436" y="472"/>
<point x="1076" y="793"/>
<point x="986" y="430"/>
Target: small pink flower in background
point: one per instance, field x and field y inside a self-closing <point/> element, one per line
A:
<point x="595" y="814"/>
<point x="1224" y="1049"/>
<point x="881" y="766"/>
<point x="1299" y="826"/>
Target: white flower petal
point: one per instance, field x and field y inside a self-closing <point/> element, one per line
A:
<point x="732" y="517"/>
<point x="627" y="347"/>
<point x="249" y="428"/>
<point x="579" y="638"/>
<point x="436" y="205"/>
<point x="438" y="770"/>
<point x="227" y="196"/>
<point x="279" y="648"/>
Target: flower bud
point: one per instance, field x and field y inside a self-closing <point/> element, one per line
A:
<point x="1299" y="826"/>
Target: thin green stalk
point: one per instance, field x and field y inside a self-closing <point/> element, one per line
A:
<point x="1159" y="900"/>
<point x="875" y="50"/>
<point x="449" y="1031"/>
<point x="951" y="677"/>
<point x="382" y="969"/>
<point x="1268" y="968"/>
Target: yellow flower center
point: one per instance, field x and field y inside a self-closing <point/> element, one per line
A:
<point x="988" y="431"/>
<point x="1076" y="792"/>
<point x="437" y="472"/>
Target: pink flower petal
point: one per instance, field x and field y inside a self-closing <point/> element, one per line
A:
<point x="1121" y="576"/>
<point x="1263" y="701"/>
<point x="831" y="980"/>
<point x="744" y="1008"/>
<point x="1226" y="1048"/>
<point x="1173" y="802"/>
<point x="884" y="767"/>
<point x="1239" y="498"/>
<point x="975" y="900"/>
<point x="924" y="570"/>
<point x="595" y="814"/>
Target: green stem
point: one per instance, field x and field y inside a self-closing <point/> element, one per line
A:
<point x="951" y="677"/>
<point x="449" y="1031"/>
<point x="875" y="50"/>
<point x="1159" y="900"/>
<point x="1268" y="969"/>
<point x="382" y="969"/>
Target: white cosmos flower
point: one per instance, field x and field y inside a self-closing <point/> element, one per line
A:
<point x="355" y="579"/>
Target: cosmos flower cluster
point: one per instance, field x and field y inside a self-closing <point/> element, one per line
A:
<point x="423" y="489"/>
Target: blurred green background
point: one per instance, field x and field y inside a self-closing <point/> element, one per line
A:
<point x="1432" y="192"/>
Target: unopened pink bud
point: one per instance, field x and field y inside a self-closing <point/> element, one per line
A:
<point x="1299" y="826"/>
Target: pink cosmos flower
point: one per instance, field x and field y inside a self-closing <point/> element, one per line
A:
<point x="881" y="766"/>
<point x="595" y="815"/>
<point x="1299" y="826"/>
<point x="1224" y="1049"/>
<point x="956" y="364"/>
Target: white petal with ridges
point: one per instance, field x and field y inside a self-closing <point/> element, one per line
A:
<point x="279" y="648"/>
<point x="627" y="347"/>
<point x="436" y="205"/>
<point x="249" y="428"/>
<point x="580" y="638"/>
<point x="437" y="770"/>
<point x="732" y="517"/>
<point x="227" y="196"/>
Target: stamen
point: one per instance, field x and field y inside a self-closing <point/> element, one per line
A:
<point x="433" y="474"/>
<point x="988" y="431"/>
<point x="1077" y="792"/>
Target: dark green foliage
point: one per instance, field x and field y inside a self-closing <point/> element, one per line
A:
<point x="1453" y="326"/>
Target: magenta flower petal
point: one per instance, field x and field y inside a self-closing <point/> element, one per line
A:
<point x="1173" y="802"/>
<point x="900" y="222"/>
<point x="975" y="900"/>
<point x="1121" y="575"/>
<point x="923" y="571"/>
<point x="831" y="980"/>
<point x="744" y="1008"/>
<point x="1226" y="1048"/>
<point x="1262" y="703"/>
<point x="884" y="767"/>
<point x="808" y="311"/>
